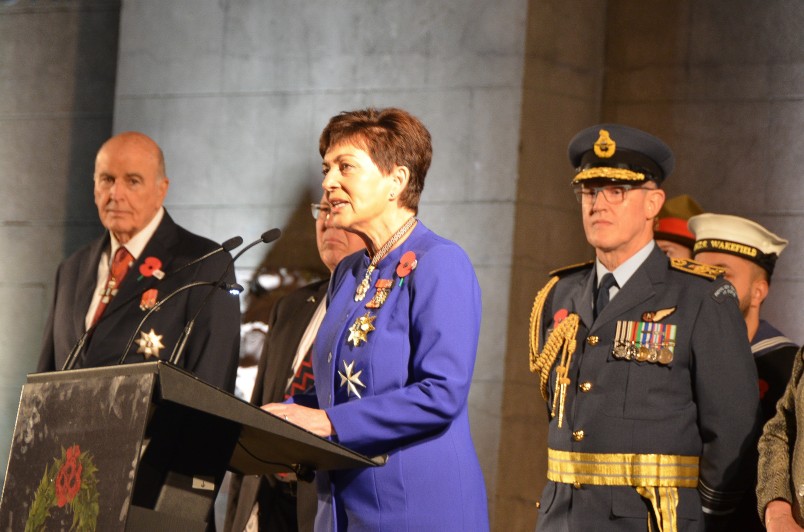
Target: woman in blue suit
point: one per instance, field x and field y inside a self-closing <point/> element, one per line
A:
<point x="394" y="356"/>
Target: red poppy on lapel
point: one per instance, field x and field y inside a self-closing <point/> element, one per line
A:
<point x="407" y="264"/>
<point x="151" y="267"/>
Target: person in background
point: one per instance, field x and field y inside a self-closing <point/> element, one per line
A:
<point x="109" y="285"/>
<point x="643" y="362"/>
<point x="780" y="484"/>
<point x="395" y="353"/>
<point x="671" y="232"/>
<point x="280" y="503"/>
<point x="748" y="253"/>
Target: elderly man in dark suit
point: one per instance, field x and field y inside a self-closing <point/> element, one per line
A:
<point x="105" y="289"/>
<point x="280" y="503"/>
<point x="643" y="360"/>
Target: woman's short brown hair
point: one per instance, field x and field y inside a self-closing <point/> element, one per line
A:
<point x="391" y="137"/>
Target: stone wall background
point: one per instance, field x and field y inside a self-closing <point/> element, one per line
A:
<point x="236" y="92"/>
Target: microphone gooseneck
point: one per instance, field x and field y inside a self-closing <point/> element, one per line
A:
<point x="227" y="246"/>
<point x="158" y="305"/>
<point x="265" y="238"/>
<point x="178" y="349"/>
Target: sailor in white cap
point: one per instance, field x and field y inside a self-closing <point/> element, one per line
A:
<point x="748" y="252"/>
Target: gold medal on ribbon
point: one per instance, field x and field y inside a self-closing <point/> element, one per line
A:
<point x="665" y="356"/>
<point x="642" y="354"/>
<point x="383" y="289"/>
<point x="363" y="287"/>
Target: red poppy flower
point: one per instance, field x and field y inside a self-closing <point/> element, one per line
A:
<point x="68" y="479"/>
<point x="559" y="316"/>
<point x="763" y="388"/>
<point x="150" y="266"/>
<point x="407" y="264"/>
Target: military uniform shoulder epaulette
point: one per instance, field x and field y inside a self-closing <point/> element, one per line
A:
<point x="566" y="270"/>
<point x="697" y="268"/>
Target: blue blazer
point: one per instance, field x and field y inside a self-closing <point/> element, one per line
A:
<point x="403" y="391"/>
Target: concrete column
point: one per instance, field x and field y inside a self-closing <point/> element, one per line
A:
<point x="57" y="71"/>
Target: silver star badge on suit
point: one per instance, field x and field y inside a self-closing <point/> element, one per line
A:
<point x="350" y="379"/>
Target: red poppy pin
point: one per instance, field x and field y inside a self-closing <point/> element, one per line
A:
<point x="559" y="316"/>
<point x="406" y="265"/>
<point x="151" y="267"/>
<point x="763" y="388"/>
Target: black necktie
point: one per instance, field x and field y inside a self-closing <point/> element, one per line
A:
<point x="602" y="298"/>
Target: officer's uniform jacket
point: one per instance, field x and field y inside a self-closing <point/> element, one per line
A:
<point x="703" y="403"/>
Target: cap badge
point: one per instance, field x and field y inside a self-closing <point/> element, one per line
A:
<point x="605" y="145"/>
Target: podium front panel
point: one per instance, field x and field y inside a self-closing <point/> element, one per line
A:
<point x="75" y="451"/>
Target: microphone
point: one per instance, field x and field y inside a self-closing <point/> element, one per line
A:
<point x="72" y="357"/>
<point x="267" y="237"/>
<point x="232" y="288"/>
<point x="227" y="246"/>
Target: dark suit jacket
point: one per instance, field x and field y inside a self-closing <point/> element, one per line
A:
<point x="289" y="319"/>
<point x="212" y="349"/>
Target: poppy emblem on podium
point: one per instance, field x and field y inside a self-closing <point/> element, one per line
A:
<point x="69" y="483"/>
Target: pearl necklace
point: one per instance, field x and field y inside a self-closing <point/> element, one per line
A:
<point x="363" y="287"/>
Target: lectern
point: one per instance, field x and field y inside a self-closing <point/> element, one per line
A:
<point x="142" y="447"/>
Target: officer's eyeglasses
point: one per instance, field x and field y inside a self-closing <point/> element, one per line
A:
<point x="614" y="194"/>
<point x="319" y="208"/>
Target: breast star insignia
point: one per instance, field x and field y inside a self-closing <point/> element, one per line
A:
<point x="359" y="330"/>
<point x="351" y="380"/>
<point x="150" y="343"/>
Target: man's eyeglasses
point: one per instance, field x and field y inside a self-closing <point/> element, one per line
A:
<point x="614" y="194"/>
<point x="319" y="208"/>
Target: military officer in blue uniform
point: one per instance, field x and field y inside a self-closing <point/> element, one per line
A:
<point x="644" y="362"/>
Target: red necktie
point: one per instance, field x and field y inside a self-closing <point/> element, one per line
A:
<point x="120" y="264"/>
<point x="303" y="379"/>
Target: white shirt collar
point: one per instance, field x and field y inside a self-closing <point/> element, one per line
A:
<point x="137" y="244"/>
<point x="624" y="271"/>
